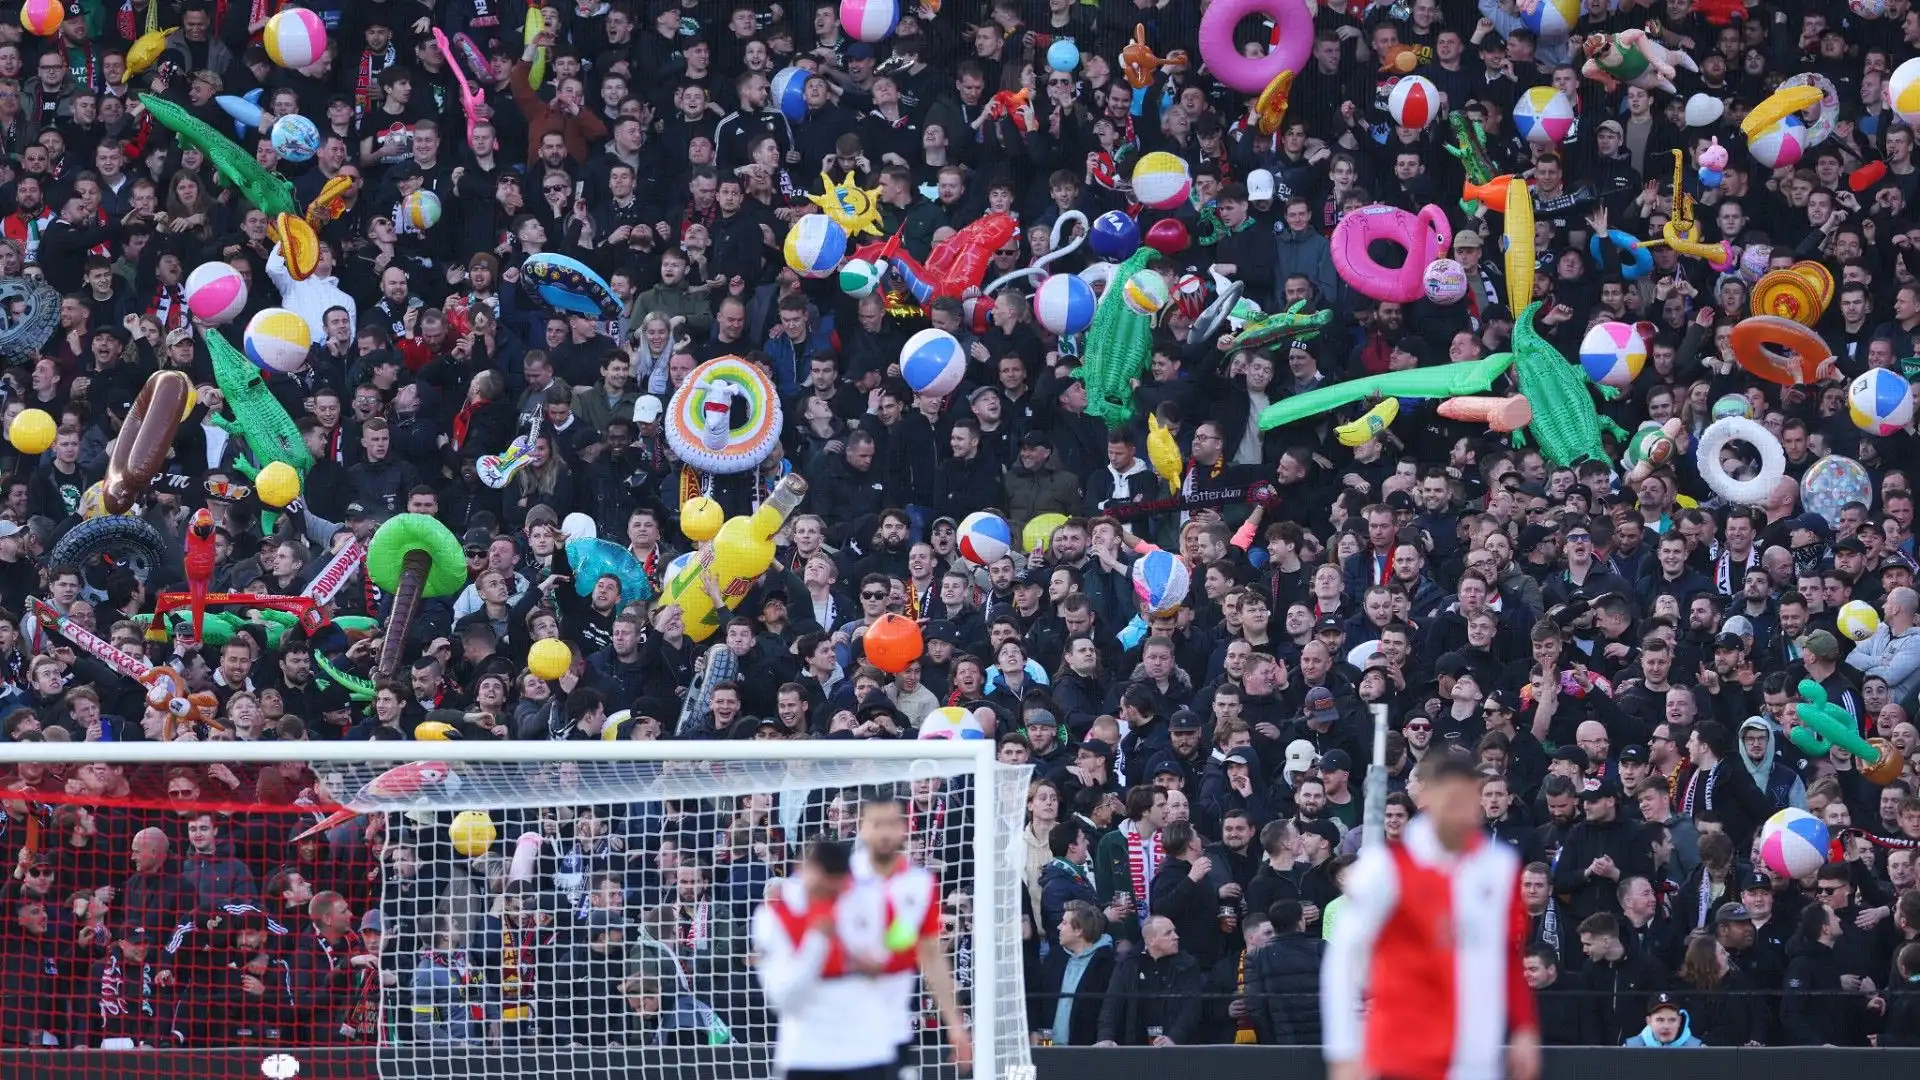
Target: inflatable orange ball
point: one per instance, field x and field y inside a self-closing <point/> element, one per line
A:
<point x="893" y="642"/>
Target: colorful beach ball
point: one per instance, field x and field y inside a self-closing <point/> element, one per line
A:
<point x="1114" y="235"/>
<point x="789" y="92"/>
<point x="295" y="38"/>
<point x="951" y="722"/>
<point x="1857" y="619"/>
<point x="216" y="293"/>
<point x="277" y="340"/>
<point x="421" y="209"/>
<point x="1880" y="402"/>
<point x="1160" y="581"/>
<point x="1733" y="405"/>
<point x="932" y="362"/>
<point x="295" y="138"/>
<point x="869" y="20"/>
<point x="1413" y="102"/>
<point x="1146" y="293"/>
<point x="1064" y="304"/>
<point x="1779" y="145"/>
<point x="1831" y="483"/>
<point x="1543" y="116"/>
<point x="1794" y="843"/>
<point x="1161" y="180"/>
<point x="815" y="245"/>
<point x="983" y="537"/>
<point x="1613" y="354"/>
<point x="858" y="278"/>
<point x="42" y="18"/>
<point x="1550" y="19"/>
<point x="1445" y="281"/>
<point x="1903" y="92"/>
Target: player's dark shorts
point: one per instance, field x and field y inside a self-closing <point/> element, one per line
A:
<point x="871" y="1072"/>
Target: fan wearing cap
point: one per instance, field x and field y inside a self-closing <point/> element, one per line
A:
<point x="1667" y="1025"/>
<point x="1599" y="852"/>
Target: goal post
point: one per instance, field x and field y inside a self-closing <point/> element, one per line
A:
<point x="541" y="909"/>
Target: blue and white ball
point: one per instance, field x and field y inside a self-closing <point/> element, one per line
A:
<point x="932" y="362"/>
<point x="1445" y="281"/>
<point x="1064" y="304"/>
<point x="1880" y="402"/>
<point x="951" y="722"/>
<point x="983" y="537"/>
<point x="1613" y="354"/>
<point x="1794" y="843"/>
<point x="789" y="92"/>
<point x="859" y="278"/>
<point x="295" y="138"/>
<point x="1733" y="405"/>
<point x="1160" y="581"/>
<point x="815" y="246"/>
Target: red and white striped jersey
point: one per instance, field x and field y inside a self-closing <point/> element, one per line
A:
<point x="1433" y="940"/>
<point x="913" y="897"/>
<point x="829" y="1015"/>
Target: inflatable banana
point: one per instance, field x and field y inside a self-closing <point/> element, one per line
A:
<point x="1370" y="425"/>
<point x="1779" y="105"/>
<point x="1520" y="260"/>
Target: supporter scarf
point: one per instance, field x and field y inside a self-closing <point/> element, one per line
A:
<point x="462" y="977"/>
<point x="1143" y="859"/>
<point x="1707" y="894"/>
<point x="1700" y="786"/>
<point x="113" y="995"/>
<point x="1243" y="1031"/>
<point x="1550" y="924"/>
<point x="917" y="601"/>
<point x="125" y="23"/>
<point x="693" y="483"/>
<point x="1723" y="578"/>
<point x="461" y="420"/>
<point x="930" y="821"/>
<point x="367" y="77"/>
<point x="694" y="935"/>
<point x="363" y="1016"/>
<point x="83" y="67"/>
<point x="517" y="972"/>
<point x="169" y="306"/>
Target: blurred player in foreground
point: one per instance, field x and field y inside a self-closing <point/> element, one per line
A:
<point x="1430" y="935"/>
<point x="912" y="930"/>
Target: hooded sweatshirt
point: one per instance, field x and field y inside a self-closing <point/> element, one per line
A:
<point x="1685" y="1039"/>
<point x="1781" y="785"/>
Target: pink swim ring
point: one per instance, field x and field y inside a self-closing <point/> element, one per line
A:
<point x="1425" y="237"/>
<point x="1294" y="19"/>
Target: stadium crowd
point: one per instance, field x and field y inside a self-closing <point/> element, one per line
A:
<point x="1621" y="661"/>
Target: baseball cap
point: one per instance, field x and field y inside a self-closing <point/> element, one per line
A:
<point x="1466" y="238"/>
<point x="1235" y="757"/>
<point x="1502" y="700"/>
<point x="1732" y="913"/>
<point x="1415" y="348"/>
<point x="1738" y="624"/>
<point x="1329" y="622"/>
<point x="476" y="537"/>
<point x="1599" y="788"/>
<point x="1532" y="537"/>
<point x="1166" y="765"/>
<point x="1094" y="746"/>
<point x="1184" y="720"/>
<point x="1036" y="439"/>
<point x="373" y="921"/>
<point x="942" y="630"/>
<point x="1322" y="828"/>
<point x="1336" y="761"/>
<point x="1729" y="641"/>
<point x="942" y="519"/>
<point x="8" y="528"/>
<point x="1756" y="880"/>
<point x="647" y="409"/>
<point x="1635" y="753"/>
<point x="1300" y="756"/>
<point x="1605" y="124"/>
<point x="1899" y="560"/>
<point x="1573" y="754"/>
<point x="1400" y="500"/>
<point x="973" y="396"/>
<point x="1821" y="644"/>
<point x="1852" y="545"/>
<point x="1041" y="718"/>
<point x="1319" y="703"/>
<point x="1661" y="1000"/>
<point x="858" y="50"/>
<point x="1259" y="185"/>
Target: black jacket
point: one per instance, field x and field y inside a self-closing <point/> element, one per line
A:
<point x="1616" y="1000"/>
<point x="1730" y="792"/>
<point x="1283" y="990"/>
<point x="1729" y="1015"/>
<point x="1814" y="1011"/>
<point x="1587" y="895"/>
<point x="1194" y="907"/>
<point x="1562" y="1019"/>
<point x="1149" y="993"/>
<point x="1088" y="998"/>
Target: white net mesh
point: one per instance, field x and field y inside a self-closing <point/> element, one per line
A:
<point x="589" y="919"/>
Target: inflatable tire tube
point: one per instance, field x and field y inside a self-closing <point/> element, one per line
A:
<point x="1773" y="461"/>
<point x="130" y="541"/>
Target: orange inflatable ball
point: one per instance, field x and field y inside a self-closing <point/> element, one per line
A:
<point x="893" y="642"/>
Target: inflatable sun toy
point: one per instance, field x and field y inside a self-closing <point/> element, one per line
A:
<point x="856" y="210"/>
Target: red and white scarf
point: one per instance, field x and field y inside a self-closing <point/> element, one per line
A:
<point x="1144" y="856"/>
<point x="929" y="821"/>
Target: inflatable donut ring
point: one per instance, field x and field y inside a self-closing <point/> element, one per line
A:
<point x="1788" y="294"/>
<point x="725" y="418"/>
<point x="22" y="335"/>
<point x="1779" y="350"/>
<point x="126" y="541"/>
<point x="568" y="285"/>
<point x="1825" y="112"/>
<point x="1293" y="20"/>
<point x="1773" y="461"/>
<point x="1425" y="237"/>
<point x="1635" y="261"/>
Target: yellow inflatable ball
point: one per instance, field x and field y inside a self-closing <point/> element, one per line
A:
<point x="32" y="431"/>
<point x="434" y="731"/>
<point x="472" y="833"/>
<point x="549" y="658"/>
<point x="277" y="484"/>
<point x="701" y="518"/>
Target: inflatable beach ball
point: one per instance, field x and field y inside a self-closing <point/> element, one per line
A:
<point x="295" y="138"/>
<point x="1857" y="619"/>
<point x="1161" y="180"/>
<point x="858" y="277"/>
<point x="295" y="38"/>
<point x="932" y="362"/>
<point x="1114" y="235"/>
<point x="277" y="340"/>
<point x="1733" y="405"/>
<point x="983" y="537"/>
<point x="951" y="722"/>
<point x="1445" y="281"/>
<point x="1793" y="843"/>
<point x="1146" y="293"/>
<point x="869" y="20"/>
<point x="42" y="18"/>
<point x="1064" y="304"/>
<point x="1160" y="581"/>
<point x="1780" y="144"/>
<point x="789" y="92"/>
<point x="1550" y="19"/>
<point x="32" y="431"/>
<point x="815" y="245"/>
<point x="216" y="293"/>
<point x="1880" y="402"/>
<point x="1543" y="116"/>
<point x="421" y="210"/>
<point x="1063" y="56"/>
<point x="1868" y="9"/>
<point x="1613" y="354"/>
<point x="1903" y="92"/>
<point x="1413" y="102"/>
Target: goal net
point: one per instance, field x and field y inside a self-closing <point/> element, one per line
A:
<point x="464" y="910"/>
